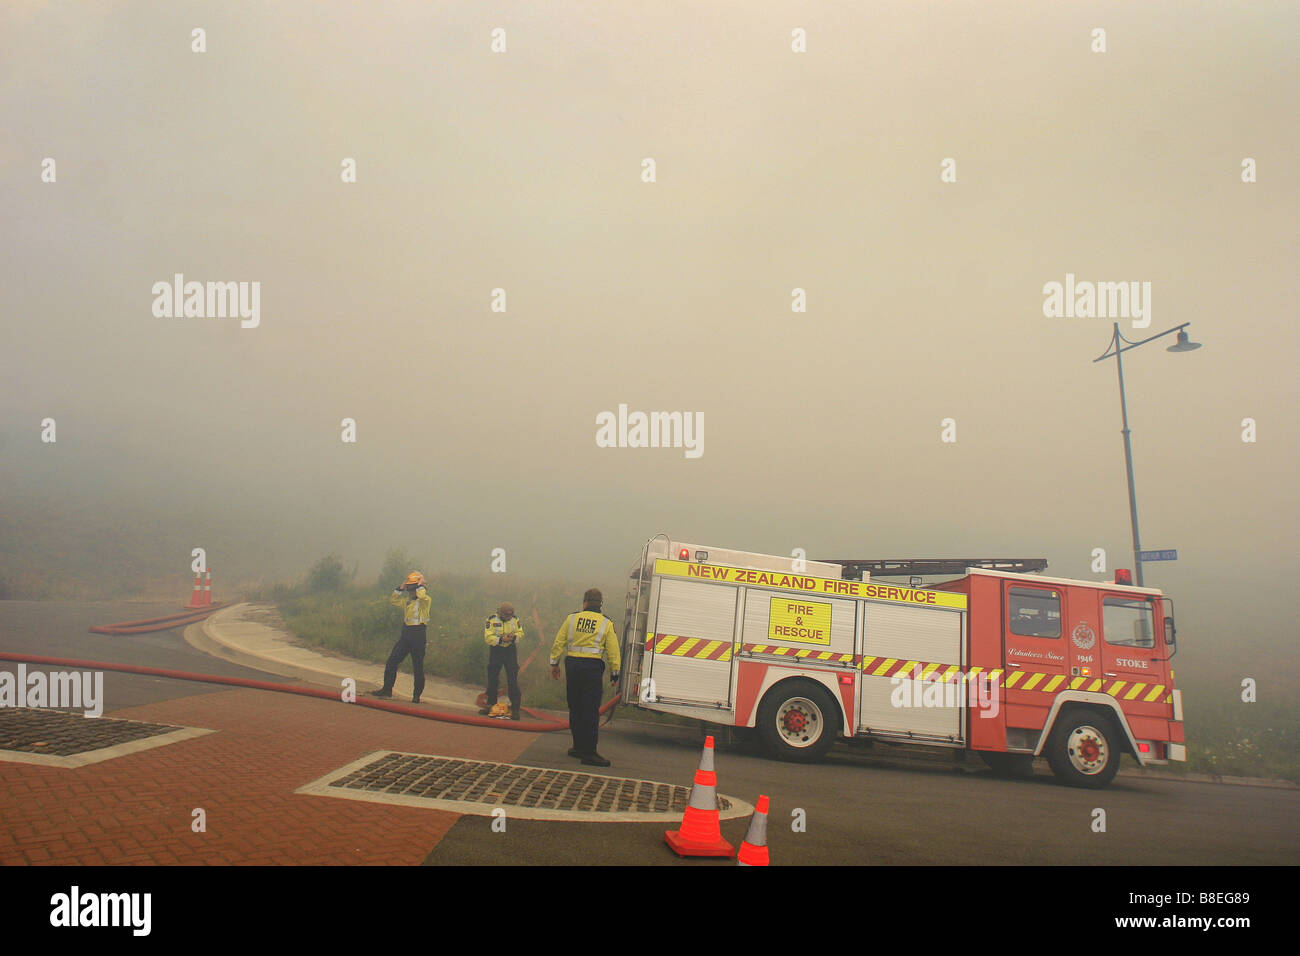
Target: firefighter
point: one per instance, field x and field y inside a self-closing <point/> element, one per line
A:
<point x="502" y="634"/>
<point x="583" y="639"/>
<point x="415" y="602"/>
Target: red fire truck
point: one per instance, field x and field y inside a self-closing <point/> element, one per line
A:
<point x="1006" y="664"/>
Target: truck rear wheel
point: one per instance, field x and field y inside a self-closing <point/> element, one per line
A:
<point x="798" y="721"/>
<point x="1084" y="748"/>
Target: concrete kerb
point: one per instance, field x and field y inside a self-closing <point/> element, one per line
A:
<point x="229" y="635"/>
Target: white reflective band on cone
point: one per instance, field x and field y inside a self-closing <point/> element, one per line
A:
<point x="703" y="797"/>
<point x="706" y="759"/>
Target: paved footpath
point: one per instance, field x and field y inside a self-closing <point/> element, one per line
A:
<point x="138" y="808"/>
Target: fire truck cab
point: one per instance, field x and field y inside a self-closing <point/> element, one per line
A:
<point x="1011" y="666"/>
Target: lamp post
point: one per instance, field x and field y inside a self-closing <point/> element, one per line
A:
<point x="1121" y="345"/>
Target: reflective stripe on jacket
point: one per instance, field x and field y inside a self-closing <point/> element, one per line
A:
<point x="502" y="633"/>
<point x="587" y="634"/>
<point x="415" y="610"/>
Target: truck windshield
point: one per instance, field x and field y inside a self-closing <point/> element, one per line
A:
<point x="1128" y="623"/>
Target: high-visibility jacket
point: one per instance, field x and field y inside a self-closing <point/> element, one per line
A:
<point x="415" y="609"/>
<point x="499" y="633"/>
<point x="588" y="634"/>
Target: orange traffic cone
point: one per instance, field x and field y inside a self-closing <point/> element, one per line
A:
<point x="753" y="849"/>
<point x="700" y="833"/>
<point x="207" y="590"/>
<point x="196" y="597"/>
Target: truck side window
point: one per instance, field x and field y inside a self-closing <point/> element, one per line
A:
<point x="1128" y="623"/>
<point x="1034" y="612"/>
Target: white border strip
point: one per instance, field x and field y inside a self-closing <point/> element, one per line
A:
<point x="322" y="788"/>
<point x="104" y="753"/>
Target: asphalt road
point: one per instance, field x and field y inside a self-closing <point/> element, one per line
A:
<point x="61" y="629"/>
<point x="902" y="806"/>
<point x="885" y="806"/>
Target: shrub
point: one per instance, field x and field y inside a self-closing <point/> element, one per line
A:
<point x="398" y="563"/>
<point x="327" y="575"/>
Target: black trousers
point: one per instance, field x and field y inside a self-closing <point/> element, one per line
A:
<point x="582" y="682"/>
<point x="412" y="641"/>
<point x="507" y="657"/>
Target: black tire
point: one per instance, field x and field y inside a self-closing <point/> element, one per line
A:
<point x="798" y="721"/>
<point x="1084" y="748"/>
<point x="1009" y="765"/>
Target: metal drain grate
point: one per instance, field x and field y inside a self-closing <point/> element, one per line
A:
<point x="475" y="786"/>
<point x="60" y="734"/>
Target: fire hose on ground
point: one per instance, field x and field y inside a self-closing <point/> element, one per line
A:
<point x="320" y="693"/>
<point x="539" y="724"/>
<point x="151" y="624"/>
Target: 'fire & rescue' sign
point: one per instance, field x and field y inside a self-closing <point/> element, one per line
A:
<point x="799" y="620"/>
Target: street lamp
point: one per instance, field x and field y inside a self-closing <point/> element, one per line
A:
<point x="1121" y="345"/>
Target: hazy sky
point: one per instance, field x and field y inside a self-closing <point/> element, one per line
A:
<point x="776" y="170"/>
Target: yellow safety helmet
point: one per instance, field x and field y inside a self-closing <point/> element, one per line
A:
<point x="415" y="577"/>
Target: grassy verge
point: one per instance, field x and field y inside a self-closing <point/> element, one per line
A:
<point x="1230" y="737"/>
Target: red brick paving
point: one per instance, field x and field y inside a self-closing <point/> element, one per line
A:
<point x="137" y="808"/>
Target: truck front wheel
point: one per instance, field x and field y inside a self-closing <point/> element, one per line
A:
<point x="1084" y="748"/>
<point x="798" y="720"/>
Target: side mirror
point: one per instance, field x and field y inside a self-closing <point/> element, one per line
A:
<point x="1171" y="632"/>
